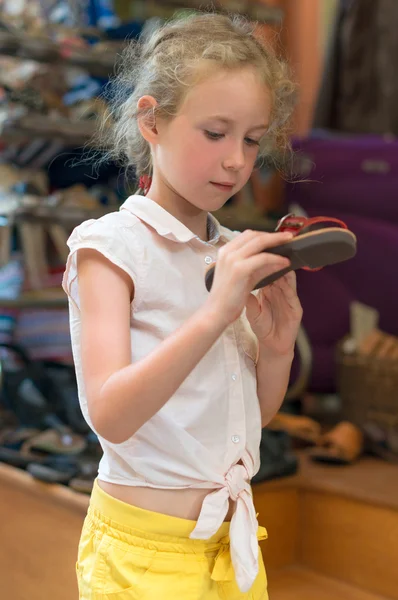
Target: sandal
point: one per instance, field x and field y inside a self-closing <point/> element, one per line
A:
<point x="84" y="481"/>
<point x="342" y="445"/>
<point x="381" y="442"/>
<point x="88" y="466"/>
<point x="56" y="441"/>
<point x="314" y="246"/>
<point x="298" y="427"/>
<point x="54" y="469"/>
<point x="22" y="446"/>
<point x="13" y="450"/>
<point x="276" y="457"/>
<point x="79" y="471"/>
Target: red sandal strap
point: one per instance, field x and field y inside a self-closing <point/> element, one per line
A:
<point x="295" y="224"/>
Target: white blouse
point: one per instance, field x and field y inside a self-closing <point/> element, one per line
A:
<point x="213" y="421"/>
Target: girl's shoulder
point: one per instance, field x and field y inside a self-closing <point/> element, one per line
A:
<point x="115" y="229"/>
<point x="116" y="236"/>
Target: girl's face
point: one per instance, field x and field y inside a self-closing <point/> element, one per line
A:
<point x="206" y="153"/>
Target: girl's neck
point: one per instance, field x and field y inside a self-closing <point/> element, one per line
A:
<point x="188" y="214"/>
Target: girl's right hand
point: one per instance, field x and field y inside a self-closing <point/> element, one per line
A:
<point x="241" y="264"/>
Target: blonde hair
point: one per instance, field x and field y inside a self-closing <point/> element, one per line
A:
<point x="165" y="66"/>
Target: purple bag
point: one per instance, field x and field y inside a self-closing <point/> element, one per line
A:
<point x="351" y="175"/>
<point x="355" y="180"/>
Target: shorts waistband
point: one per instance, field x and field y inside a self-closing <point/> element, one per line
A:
<point x="138" y="522"/>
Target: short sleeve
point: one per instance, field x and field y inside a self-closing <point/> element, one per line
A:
<point x="117" y="243"/>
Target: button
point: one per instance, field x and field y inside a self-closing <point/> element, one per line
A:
<point x="208" y="260"/>
<point x="234" y="377"/>
<point x="235" y="439"/>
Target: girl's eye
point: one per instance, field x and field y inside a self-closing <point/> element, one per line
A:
<point x="213" y="136"/>
<point x="251" y="142"/>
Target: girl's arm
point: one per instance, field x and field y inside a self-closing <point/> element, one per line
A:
<point x="273" y="372"/>
<point x="275" y="314"/>
<point x="122" y="396"/>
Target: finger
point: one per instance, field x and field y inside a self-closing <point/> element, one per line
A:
<point x="256" y="241"/>
<point x="264" y="241"/>
<point x="242" y="239"/>
<point x="261" y="265"/>
<point x="254" y="266"/>
<point x="289" y="282"/>
<point x="293" y="280"/>
<point x="287" y="289"/>
<point x="253" y="308"/>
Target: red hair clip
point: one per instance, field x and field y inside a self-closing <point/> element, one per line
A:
<point x="145" y="183"/>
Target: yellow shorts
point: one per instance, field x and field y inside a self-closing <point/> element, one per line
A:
<point x="127" y="553"/>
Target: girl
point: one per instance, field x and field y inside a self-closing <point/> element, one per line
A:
<point x="177" y="382"/>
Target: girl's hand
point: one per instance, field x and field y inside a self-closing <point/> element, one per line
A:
<point x="274" y="314"/>
<point x="241" y="264"/>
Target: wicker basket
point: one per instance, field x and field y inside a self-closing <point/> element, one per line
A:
<point x="368" y="387"/>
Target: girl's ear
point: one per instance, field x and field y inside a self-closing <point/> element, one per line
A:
<point x="147" y="119"/>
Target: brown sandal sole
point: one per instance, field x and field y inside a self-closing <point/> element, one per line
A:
<point x="343" y="445"/>
<point x="313" y="250"/>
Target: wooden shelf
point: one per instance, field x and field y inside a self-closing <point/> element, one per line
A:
<point x="73" y="133"/>
<point x="25" y="46"/>
<point x="54" y="298"/>
<point x="369" y="480"/>
<point x="55" y="494"/>
<point x="297" y="583"/>
<point x="64" y="215"/>
<point x="40" y="528"/>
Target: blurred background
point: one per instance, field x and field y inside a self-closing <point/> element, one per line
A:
<point x="327" y="489"/>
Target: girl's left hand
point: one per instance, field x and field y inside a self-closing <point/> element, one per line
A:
<point x="275" y="313"/>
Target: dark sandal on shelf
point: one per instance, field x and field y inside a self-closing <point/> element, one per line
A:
<point x="276" y="456"/>
<point x="54" y="469"/>
<point x="84" y="481"/>
<point x="55" y="441"/>
<point x="316" y="245"/>
<point x="381" y="442"/>
<point x="13" y="450"/>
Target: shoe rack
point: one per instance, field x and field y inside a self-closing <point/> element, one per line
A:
<point x="99" y="61"/>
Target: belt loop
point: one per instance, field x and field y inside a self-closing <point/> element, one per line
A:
<point x="223" y="569"/>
